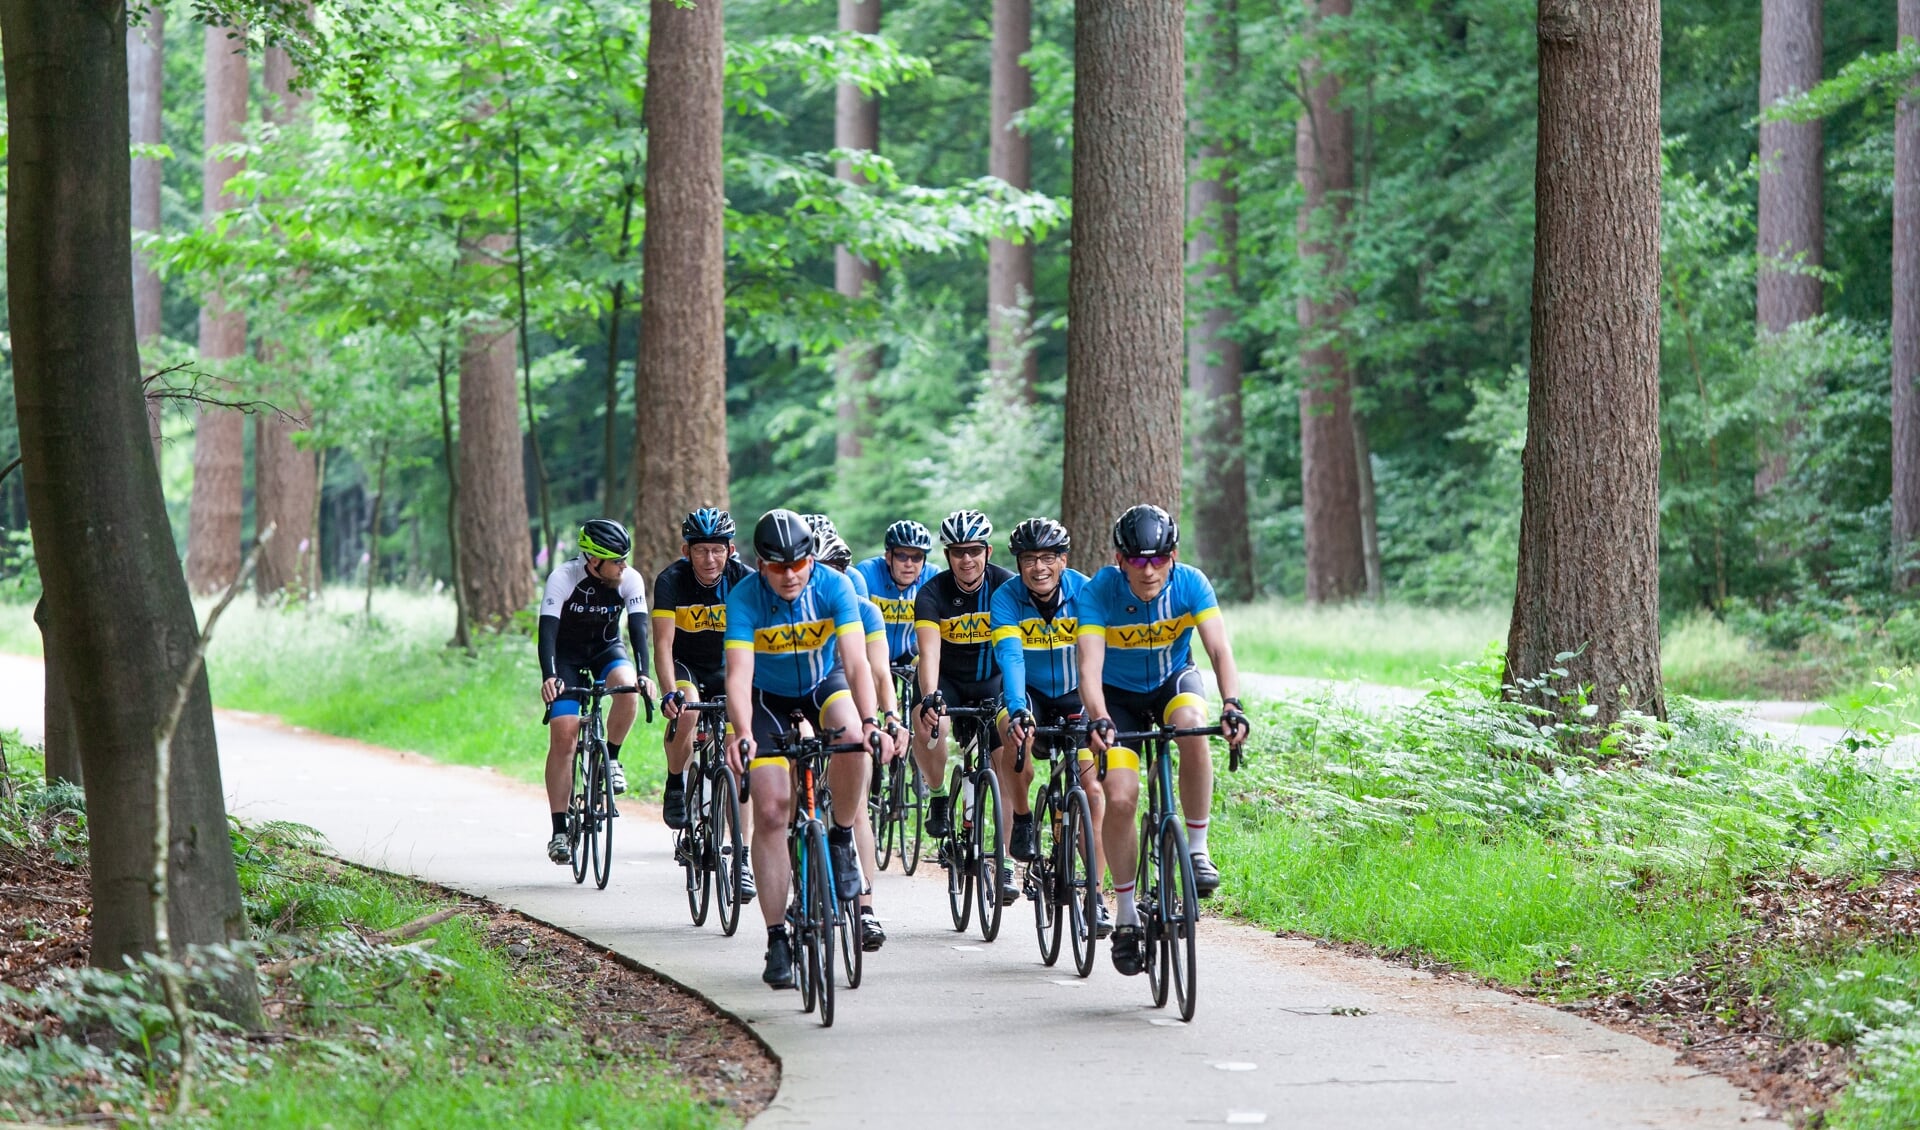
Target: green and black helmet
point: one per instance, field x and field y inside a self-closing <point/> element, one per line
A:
<point x="606" y="539"/>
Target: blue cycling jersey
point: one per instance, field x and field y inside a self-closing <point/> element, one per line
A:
<point x="793" y="641"/>
<point x="1148" y="641"/>
<point x="873" y="620"/>
<point x="1036" y="649"/>
<point x="896" y="604"/>
<point x="859" y="582"/>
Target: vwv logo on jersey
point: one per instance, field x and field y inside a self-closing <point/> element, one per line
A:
<point x="700" y="618"/>
<point x="1160" y="633"/>
<point x="809" y="636"/>
<point x="1039" y="635"/>
<point x="895" y="611"/>
<point x="973" y="627"/>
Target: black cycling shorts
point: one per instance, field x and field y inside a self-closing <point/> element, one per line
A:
<point x="773" y="716"/>
<point x="964" y="692"/>
<point x="701" y="684"/>
<point x="1133" y="710"/>
<point x="579" y="671"/>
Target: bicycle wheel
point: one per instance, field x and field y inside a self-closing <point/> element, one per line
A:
<point x="955" y="850"/>
<point x="1180" y="918"/>
<point x="987" y="849"/>
<point x="1079" y="892"/>
<point x="694" y="846"/>
<point x="602" y="813"/>
<point x="911" y="789"/>
<point x="852" y="957"/>
<point x="1043" y="884"/>
<point x="723" y="829"/>
<point x="822" y="911"/>
<point x="1148" y="888"/>
<point x="878" y="815"/>
<point x="580" y="813"/>
<point x="805" y="952"/>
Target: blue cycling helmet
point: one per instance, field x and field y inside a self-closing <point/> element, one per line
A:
<point x="909" y="534"/>
<point x="707" y="524"/>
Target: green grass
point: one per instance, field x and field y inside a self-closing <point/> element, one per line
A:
<point x="1395" y="644"/>
<point x="1870" y="997"/>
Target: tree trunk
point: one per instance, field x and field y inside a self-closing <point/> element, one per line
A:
<point x="1369" y="512"/>
<point x="1906" y="317"/>
<point x="1589" y="568"/>
<point x="856" y="125"/>
<point x="1126" y="278"/>
<point x="219" y="439"/>
<point x="93" y="486"/>
<point x="1222" y="542"/>
<point x="146" y="75"/>
<point x="286" y="479"/>
<point x="1329" y="466"/>
<point x="682" y="460"/>
<point x="496" y="564"/>
<point x="1010" y="157"/>
<point x="1791" y="219"/>
<point x="59" y="744"/>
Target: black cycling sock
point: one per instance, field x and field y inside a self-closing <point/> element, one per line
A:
<point x="840" y="835"/>
<point x="559" y="823"/>
<point x="1020" y="818"/>
<point x="779" y="931"/>
<point x="613" y="751"/>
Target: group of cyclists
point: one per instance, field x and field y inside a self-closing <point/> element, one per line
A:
<point x="786" y="640"/>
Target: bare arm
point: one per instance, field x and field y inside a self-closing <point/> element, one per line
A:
<point x="1093" y="663"/>
<point x="739" y="699"/>
<point x="929" y="637"/>
<point x="1213" y="637"/>
<point x="663" y="629"/>
<point x="877" y="662"/>
<point x="853" y="653"/>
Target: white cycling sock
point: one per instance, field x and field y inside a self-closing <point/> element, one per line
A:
<point x="1128" y="915"/>
<point x="1196" y="838"/>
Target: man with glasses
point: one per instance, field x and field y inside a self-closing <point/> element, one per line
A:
<point x="894" y="580"/>
<point x="795" y="643"/>
<point x="579" y="639"/>
<point x="1138" y="618"/>
<point x="953" y="620"/>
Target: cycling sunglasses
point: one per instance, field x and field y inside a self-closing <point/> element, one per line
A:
<point x="1156" y="561"/>
<point x="967" y="550"/>
<point x="788" y="566"/>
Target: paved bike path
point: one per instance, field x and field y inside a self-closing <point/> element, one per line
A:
<point x="950" y="1032"/>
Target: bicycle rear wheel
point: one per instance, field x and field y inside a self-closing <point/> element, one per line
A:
<point x="987" y="849"/>
<point x="1044" y="874"/>
<point x="910" y="790"/>
<point x="1180" y="918"/>
<point x="1079" y="892"/>
<point x="956" y="848"/>
<point x="695" y="844"/>
<point x="723" y="828"/>
<point x="821" y="912"/>
<point x="601" y="814"/>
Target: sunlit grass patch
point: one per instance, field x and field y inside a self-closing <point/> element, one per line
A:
<point x="1396" y="644"/>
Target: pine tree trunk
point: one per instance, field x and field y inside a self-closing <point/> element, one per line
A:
<point x="146" y="74"/>
<point x="1791" y="218"/>
<point x="219" y="439"/>
<point x="682" y="460"/>
<point x="856" y="125"/>
<point x="1589" y="568"/>
<point x="1126" y="278"/>
<point x="61" y="748"/>
<point x="1329" y="468"/>
<point x="1222" y="543"/>
<point x="1010" y="157"/>
<point x="286" y="479"/>
<point x="1906" y="315"/>
<point x="496" y="562"/>
<point x="94" y="488"/>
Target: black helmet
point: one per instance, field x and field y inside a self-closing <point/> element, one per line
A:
<point x="606" y="539"/>
<point x="707" y="524"/>
<point x="836" y="552"/>
<point x="909" y="534"/>
<point x="1145" y="531"/>
<point x="782" y="536"/>
<point x="1037" y="534"/>
<point x="966" y="527"/>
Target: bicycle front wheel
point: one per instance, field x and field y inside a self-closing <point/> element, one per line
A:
<point x="1150" y="901"/>
<point x="1079" y="889"/>
<point x="822" y="912"/>
<point x="1179" y="918"/>
<point x="695" y="843"/>
<point x="723" y="829"/>
<point x="987" y="849"/>
<point x="956" y="850"/>
<point x="852" y="957"/>
<point x="1043" y="879"/>
<point x="580" y="812"/>
<point x="601" y="822"/>
<point x="910" y="792"/>
<point x="806" y="953"/>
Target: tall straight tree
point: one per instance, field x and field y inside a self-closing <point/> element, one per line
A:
<point x="856" y="125"/>
<point x="1010" y="157"/>
<point x="94" y="488"/>
<point x="496" y="556"/>
<point x="1906" y="313"/>
<point x="1222" y="541"/>
<point x="682" y="453"/>
<point x="1589" y="571"/>
<point x="286" y="479"/>
<point x="1125" y="278"/>
<point x="1329" y="460"/>
<point x="219" y="437"/>
<point x="146" y="76"/>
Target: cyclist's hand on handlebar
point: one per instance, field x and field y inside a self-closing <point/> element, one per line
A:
<point x="1233" y="722"/>
<point x="739" y="754"/>
<point x="932" y="707"/>
<point x="1020" y="727"/>
<point x="671" y="704"/>
<point x="1100" y="735"/>
<point x="552" y="689"/>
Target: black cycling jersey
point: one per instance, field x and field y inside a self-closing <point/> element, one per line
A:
<point x="580" y="617"/>
<point x="964" y="620"/>
<point x="698" y="612"/>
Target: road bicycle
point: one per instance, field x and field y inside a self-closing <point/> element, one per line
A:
<point x="1060" y="881"/>
<point x="1164" y="889"/>
<point x="710" y="848"/>
<point x="814" y="915"/>
<point x="897" y="802"/>
<point x="973" y="850"/>
<point x="590" y="807"/>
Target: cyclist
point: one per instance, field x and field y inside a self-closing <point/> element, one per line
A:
<point x="836" y="554"/>
<point x="952" y="618"/>
<point x="579" y="639"/>
<point x="1138" y="617"/>
<point x="894" y="581"/>
<point x="1034" y="620"/>
<point x="689" y="619"/>
<point x="795" y="645"/>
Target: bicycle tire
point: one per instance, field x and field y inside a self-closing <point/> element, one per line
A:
<point x="987" y="849"/>
<point x="877" y="814"/>
<point x="1179" y="916"/>
<point x="955" y="847"/>
<point x="695" y="844"/>
<point x="1078" y="885"/>
<point x="913" y="815"/>
<point x="804" y="952"/>
<point x="852" y="957"/>
<point x="1043" y="884"/>
<point x="823" y="908"/>
<point x="728" y="851"/>
<point x="603" y="812"/>
<point x="1148" y="886"/>
<point x="580" y="813"/>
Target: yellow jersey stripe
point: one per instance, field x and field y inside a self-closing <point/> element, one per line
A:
<point x="1005" y="634"/>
